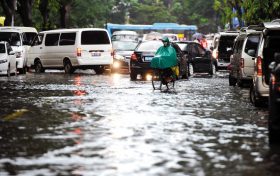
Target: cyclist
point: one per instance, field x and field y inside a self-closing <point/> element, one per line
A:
<point x="166" y="59"/>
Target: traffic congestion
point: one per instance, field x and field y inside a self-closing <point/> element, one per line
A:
<point x="153" y="99"/>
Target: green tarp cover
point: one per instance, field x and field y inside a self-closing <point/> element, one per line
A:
<point x="165" y="57"/>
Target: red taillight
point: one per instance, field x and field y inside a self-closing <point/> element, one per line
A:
<point x="273" y="81"/>
<point x="79" y="51"/>
<point x="242" y="63"/>
<point x="229" y="67"/>
<point x="259" y="66"/>
<point x="133" y="57"/>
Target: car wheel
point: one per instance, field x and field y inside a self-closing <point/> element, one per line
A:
<point x="232" y="81"/>
<point x="253" y="99"/>
<point x="68" y="68"/>
<point x="9" y="71"/>
<point x="273" y="119"/>
<point x="133" y="76"/>
<point x="213" y="70"/>
<point x="38" y="67"/>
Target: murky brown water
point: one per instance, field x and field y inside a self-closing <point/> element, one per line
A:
<point x="107" y="125"/>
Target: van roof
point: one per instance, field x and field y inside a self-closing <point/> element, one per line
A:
<point x="9" y="30"/>
<point x="73" y="30"/>
<point x="19" y="28"/>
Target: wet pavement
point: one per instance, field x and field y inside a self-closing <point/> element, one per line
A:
<point x="107" y="125"/>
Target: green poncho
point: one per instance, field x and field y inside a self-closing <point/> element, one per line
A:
<point x="165" y="57"/>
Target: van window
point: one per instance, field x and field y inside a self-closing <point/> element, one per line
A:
<point x="28" y="37"/>
<point x="12" y="37"/>
<point x="52" y="39"/>
<point x="2" y="48"/>
<point x="94" y="38"/>
<point x="67" y="38"/>
<point x="252" y="43"/>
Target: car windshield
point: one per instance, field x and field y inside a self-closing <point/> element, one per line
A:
<point x="2" y="48"/>
<point x="12" y="37"/>
<point x="150" y="46"/>
<point x="124" y="45"/>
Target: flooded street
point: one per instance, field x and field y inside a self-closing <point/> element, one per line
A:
<point x="107" y="125"/>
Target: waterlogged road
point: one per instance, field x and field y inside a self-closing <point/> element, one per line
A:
<point x="107" y="125"/>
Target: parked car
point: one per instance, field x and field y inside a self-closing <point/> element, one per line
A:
<point x="268" y="46"/>
<point x="223" y="47"/>
<point x="274" y="100"/>
<point x="199" y="59"/>
<point x="8" y="63"/>
<point x="143" y="54"/>
<point x="172" y="37"/>
<point x="242" y="64"/>
<point x="122" y="52"/>
<point x="69" y="49"/>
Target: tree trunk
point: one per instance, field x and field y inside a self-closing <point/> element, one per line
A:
<point x="25" y="11"/>
<point x="44" y="10"/>
<point x="9" y="10"/>
<point x="64" y="14"/>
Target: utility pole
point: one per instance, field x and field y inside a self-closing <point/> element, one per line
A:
<point x="14" y="11"/>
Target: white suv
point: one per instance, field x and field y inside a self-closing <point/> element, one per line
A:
<point x="7" y="59"/>
<point x="242" y="62"/>
<point x="268" y="46"/>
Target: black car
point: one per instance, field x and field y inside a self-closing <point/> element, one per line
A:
<point x="200" y="60"/>
<point x="274" y="100"/>
<point x="143" y="54"/>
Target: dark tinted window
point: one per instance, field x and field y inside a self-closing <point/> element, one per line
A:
<point x="67" y="39"/>
<point x="28" y="37"/>
<point x="12" y="37"/>
<point x="2" y="48"/>
<point x="252" y="43"/>
<point x="52" y="39"/>
<point x="94" y="38"/>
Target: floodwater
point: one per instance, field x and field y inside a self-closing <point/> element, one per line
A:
<point x="107" y="125"/>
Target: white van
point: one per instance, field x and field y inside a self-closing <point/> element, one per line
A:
<point x="69" y="49"/>
<point x="20" y="39"/>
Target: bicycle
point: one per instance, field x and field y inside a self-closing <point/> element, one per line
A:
<point x="163" y="77"/>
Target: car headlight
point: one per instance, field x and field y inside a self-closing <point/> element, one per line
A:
<point x="116" y="64"/>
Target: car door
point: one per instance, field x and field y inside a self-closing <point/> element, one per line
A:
<point x="36" y="50"/>
<point x="202" y="61"/>
<point x="50" y="51"/>
<point x="252" y="42"/>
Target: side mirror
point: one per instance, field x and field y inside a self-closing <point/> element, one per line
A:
<point x="251" y="53"/>
<point x="211" y="48"/>
<point x="12" y="53"/>
<point x="277" y="57"/>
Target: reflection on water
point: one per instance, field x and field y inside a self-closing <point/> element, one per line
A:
<point x="87" y="124"/>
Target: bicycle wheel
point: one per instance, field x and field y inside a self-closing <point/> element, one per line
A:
<point x="171" y="83"/>
<point x="156" y="80"/>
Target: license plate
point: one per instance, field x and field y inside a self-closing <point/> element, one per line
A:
<point x="148" y="58"/>
<point x="95" y="54"/>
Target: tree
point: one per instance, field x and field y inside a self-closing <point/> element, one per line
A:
<point x="25" y="11"/>
<point x="9" y="7"/>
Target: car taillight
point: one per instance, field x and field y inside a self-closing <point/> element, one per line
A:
<point x="273" y="81"/>
<point x="79" y="51"/>
<point x="242" y="63"/>
<point x="133" y="57"/>
<point x="113" y="53"/>
<point x="215" y="54"/>
<point x="259" y="66"/>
